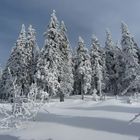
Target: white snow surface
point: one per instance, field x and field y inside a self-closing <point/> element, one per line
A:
<point x="75" y="119"/>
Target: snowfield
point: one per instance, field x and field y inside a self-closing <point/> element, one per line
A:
<point x="80" y="120"/>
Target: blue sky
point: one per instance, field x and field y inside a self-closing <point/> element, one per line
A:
<point x="82" y="17"/>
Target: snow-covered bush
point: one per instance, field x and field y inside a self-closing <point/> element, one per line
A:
<point x="22" y="108"/>
<point x="95" y="97"/>
<point x="129" y="100"/>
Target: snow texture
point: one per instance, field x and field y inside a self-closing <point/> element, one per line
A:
<point x="79" y="120"/>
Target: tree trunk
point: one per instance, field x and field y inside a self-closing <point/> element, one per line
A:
<point x="61" y="97"/>
<point x="82" y="96"/>
<point x="100" y="89"/>
<point x="82" y="91"/>
<point x="125" y="90"/>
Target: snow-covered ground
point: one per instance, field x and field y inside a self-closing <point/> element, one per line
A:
<point x="80" y="120"/>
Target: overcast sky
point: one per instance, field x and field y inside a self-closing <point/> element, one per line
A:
<point x="82" y="17"/>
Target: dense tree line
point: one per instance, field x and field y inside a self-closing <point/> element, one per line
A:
<point x="58" y="71"/>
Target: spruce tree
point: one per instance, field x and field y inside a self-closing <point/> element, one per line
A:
<point x="110" y="53"/>
<point x="119" y="69"/>
<point x="33" y="54"/>
<point x="115" y="66"/>
<point x="75" y="75"/>
<point x="54" y="68"/>
<point x="21" y="63"/>
<point x="131" y="58"/>
<point x="65" y="68"/>
<point x="83" y="69"/>
<point x="18" y="65"/>
<point x="49" y="60"/>
<point x="97" y="65"/>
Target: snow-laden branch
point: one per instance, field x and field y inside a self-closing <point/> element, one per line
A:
<point x="134" y="118"/>
<point x="22" y="108"/>
<point x="136" y="81"/>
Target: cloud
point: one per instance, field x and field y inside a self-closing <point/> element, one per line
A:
<point x="81" y="18"/>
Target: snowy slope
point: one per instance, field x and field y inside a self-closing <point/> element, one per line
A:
<point x="80" y="120"/>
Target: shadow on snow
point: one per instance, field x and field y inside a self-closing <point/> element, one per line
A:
<point x="110" y="109"/>
<point x="93" y="123"/>
<point x="8" y="137"/>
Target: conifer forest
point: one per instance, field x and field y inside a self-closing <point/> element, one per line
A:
<point x="59" y="70"/>
<point x="59" y="91"/>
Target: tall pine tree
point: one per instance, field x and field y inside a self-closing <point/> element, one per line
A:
<point x="97" y="65"/>
<point x="65" y="69"/>
<point x="83" y="69"/>
<point x="33" y="53"/>
<point x="18" y="65"/>
<point x="47" y="67"/>
<point x="131" y="58"/>
<point x="110" y="53"/>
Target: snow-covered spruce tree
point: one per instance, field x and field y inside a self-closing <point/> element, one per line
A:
<point x="119" y="69"/>
<point x="18" y="64"/>
<point x="131" y="59"/>
<point x="97" y="65"/>
<point x="83" y="70"/>
<point x="65" y="67"/>
<point x="54" y="68"/>
<point x="33" y="53"/>
<point x="49" y="60"/>
<point x="74" y="69"/>
<point x="21" y="62"/>
<point x="110" y="61"/>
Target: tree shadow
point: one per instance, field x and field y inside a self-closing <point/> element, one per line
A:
<point x="8" y="137"/>
<point x="110" y="109"/>
<point x="93" y="123"/>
